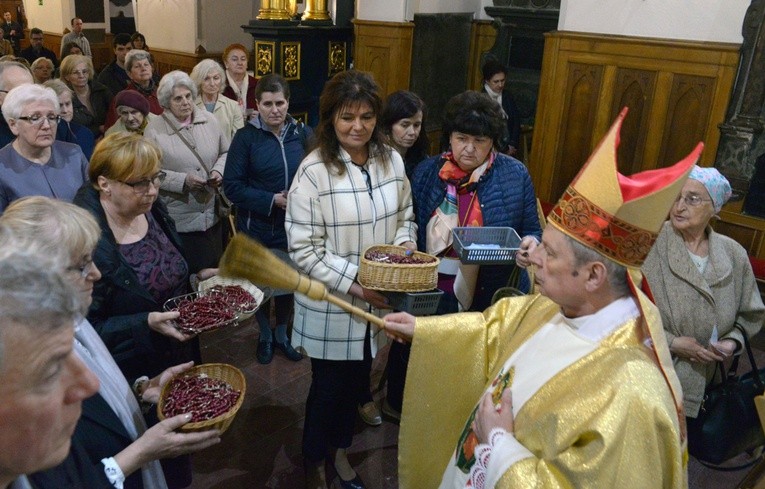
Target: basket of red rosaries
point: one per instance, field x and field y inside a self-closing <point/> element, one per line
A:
<point x="212" y="393"/>
<point x="240" y="293"/>
<point x="394" y="268"/>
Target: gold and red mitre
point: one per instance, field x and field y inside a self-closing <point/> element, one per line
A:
<point x="619" y="216"/>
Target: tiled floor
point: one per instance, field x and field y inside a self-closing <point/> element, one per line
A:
<point x="262" y="447"/>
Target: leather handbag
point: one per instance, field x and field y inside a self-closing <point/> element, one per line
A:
<point x="727" y="424"/>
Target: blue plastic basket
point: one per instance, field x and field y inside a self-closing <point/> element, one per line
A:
<point x="415" y="303"/>
<point x="486" y="245"/>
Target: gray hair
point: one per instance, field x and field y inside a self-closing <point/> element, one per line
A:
<point x="23" y="95"/>
<point x="8" y="64"/>
<point x="33" y="293"/>
<point x="135" y="55"/>
<point x="203" y="68"/>
<point x="617" y="274"/>
<point x="58" y="86"/>
<point x="170" y="82"/>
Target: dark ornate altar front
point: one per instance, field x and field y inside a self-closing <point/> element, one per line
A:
<point x="306" y="56"/>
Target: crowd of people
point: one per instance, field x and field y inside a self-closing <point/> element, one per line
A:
<point x="115" y="189"/>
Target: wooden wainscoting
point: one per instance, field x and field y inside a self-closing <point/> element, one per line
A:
<point x="385" y="50"/>
<point x="166" y="60"/>
<point x="482" y="39"/>
<point x="677" y="92"/>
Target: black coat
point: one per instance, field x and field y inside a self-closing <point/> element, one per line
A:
<point x="121" y="304"/>
<point x="79" y="470"/>
<point x="100" y="99"/>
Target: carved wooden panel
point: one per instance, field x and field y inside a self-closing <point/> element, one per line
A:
<point x="687" y="116"/>
<point x="633" y="88"/>
<point x="677" y="92"/>
<point x="580" y="102"/>
<point x="385" y="50"/>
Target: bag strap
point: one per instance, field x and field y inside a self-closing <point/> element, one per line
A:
<point x="755" y="371"/>
<point x="188" y="145"/>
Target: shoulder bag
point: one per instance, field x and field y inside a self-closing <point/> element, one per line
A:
<point x="727" y="424"/>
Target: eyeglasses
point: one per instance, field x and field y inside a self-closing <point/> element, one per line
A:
<point x="692" y="200"/>
<point x="81" y="73"/>
<point x="84" y="269"/>
<point x="37" y="119"/>
<point x="142" y="186"/>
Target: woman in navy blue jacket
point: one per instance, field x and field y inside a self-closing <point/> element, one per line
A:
<point x="262" y="161"/>
<point x="472" y="184"/>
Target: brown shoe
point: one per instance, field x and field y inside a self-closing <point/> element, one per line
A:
<point x="315" y="476"/>
<point x="370" y="414"/>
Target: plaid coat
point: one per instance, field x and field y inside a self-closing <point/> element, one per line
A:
<point x="330" y="220"/>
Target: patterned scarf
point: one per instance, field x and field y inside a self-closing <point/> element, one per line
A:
<point x="446" y="216"/>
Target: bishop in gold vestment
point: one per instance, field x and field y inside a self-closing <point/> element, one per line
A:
<point x="571" y="388"/>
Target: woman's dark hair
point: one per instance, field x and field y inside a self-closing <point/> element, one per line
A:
<point x="475" y="114"/>
<point x="67" y="49"/>
<point x="491" y="67"/>
<point x="345" y="89"/>
<point x="273" y="83"/>
<point x="138" y="35"/>
<point x="403" y="104"/>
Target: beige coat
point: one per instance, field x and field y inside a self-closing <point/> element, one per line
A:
<point x="119" y="126"/>
<point x="691" y="304"/>
<point x="228" y="114"/>
<point x="192" y="211"/>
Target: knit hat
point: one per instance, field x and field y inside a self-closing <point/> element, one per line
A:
<point x="131" y="98"/>
<point x="616" y="215"/>
<point x="716" y="184"/>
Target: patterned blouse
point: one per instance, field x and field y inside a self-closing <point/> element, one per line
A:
<point x="160" y="267"/>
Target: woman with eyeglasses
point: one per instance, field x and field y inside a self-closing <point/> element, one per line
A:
<point x="140" y="257"/>
<point x="703" y="285"/>
<point x="112" y="430"/>
<point x="35" y="163"/>
<point x="193" y="156"/>
<point x="68" y="130"/>
<point x="349" y="193"/>
<point x="91" y="98"/>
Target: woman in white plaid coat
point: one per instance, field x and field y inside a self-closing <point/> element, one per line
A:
<point x="349" y="193"/>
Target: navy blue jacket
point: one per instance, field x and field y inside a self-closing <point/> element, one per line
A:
<point x="121" y="305"/>
<point x="71" y="132"/>
<point x="507" y="198"/>
<point x="258" y="166"/>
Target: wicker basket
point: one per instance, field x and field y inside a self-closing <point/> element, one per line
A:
<point x="222" y="371"/>
<point x="419" y="277"/>
<point x="245" y="284"/>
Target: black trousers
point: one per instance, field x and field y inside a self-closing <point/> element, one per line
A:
<point x="203" y="249"/>
<point x="330" y="410"/>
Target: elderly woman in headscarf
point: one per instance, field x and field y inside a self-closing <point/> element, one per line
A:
<point x="133" y="110"/>
<point x="703" y="284"/>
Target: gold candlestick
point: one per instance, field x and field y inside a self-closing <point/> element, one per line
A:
<point x="316" y="10"/>
<point x="273" y="10"/>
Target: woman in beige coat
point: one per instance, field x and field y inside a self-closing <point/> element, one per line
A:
<point x="703" y="285"/>
<point x="193" y="156"/>
<point x="210" y="79"/>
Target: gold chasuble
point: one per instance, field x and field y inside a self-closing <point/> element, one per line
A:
<point x="608" y="420"/>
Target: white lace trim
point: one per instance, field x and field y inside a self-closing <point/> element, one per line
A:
<point x="477" y="478"/>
